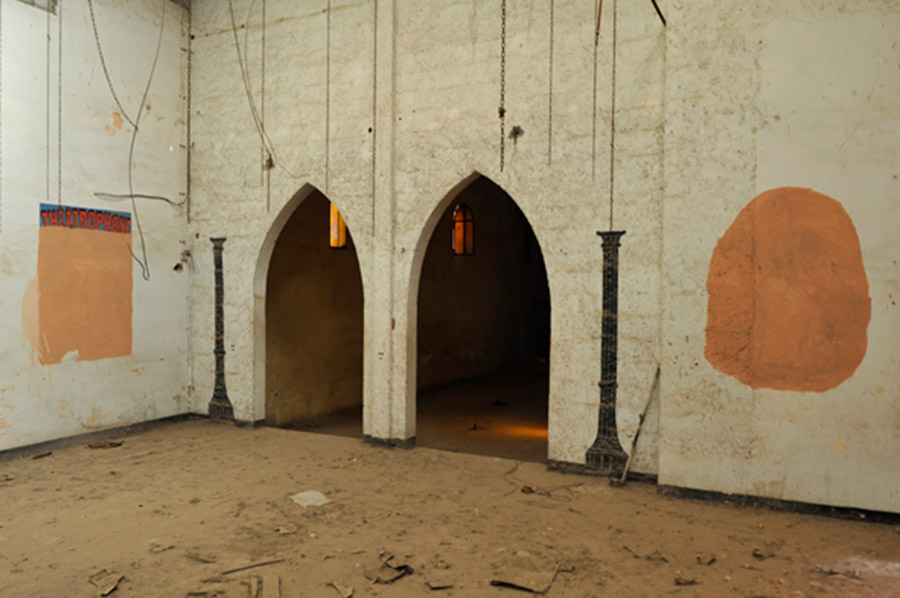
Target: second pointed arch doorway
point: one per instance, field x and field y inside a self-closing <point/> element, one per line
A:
<point x="314" y="324"/>
<point x="483" y="331"/>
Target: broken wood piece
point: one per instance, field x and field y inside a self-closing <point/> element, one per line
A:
<point x="271" y="586"/>
<point x="344" y="591"/>
<point x="685" y="581"/>
<point x="157" y="548"/>
<point x="42" y="455"/>
<point x="253" y="566"/>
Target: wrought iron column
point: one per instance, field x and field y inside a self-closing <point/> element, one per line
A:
<point x="606" y="455"/>
<point x="220" y="406"/>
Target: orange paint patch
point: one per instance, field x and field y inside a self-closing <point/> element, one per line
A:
<point x="84" y="299"/>
<point x="789" y="299"/>
<point x="117" y="120"/>
<point x="110" y="130"/>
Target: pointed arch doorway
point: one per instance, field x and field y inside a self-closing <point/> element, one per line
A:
<point x="314" y="325"/>
<point x="483" y="330"/>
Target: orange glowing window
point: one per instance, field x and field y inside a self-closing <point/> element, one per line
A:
<point x="337" y="237"/>
<point x="463" y="240"/>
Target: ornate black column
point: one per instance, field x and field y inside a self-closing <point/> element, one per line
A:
<point x="220" y="406"/>
<point x="606" y="455"/>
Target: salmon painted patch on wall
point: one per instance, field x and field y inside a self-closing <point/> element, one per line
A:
<point x="789" y="304"/>
<point x="83" y="286"/>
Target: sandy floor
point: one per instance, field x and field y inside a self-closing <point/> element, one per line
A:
<point x="173" y="508"/>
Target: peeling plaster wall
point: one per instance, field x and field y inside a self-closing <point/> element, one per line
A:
<point x="761" y="96"/>
<point x="150" y="381"/>
<point x="412" y="118"/>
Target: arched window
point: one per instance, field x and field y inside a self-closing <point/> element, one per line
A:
<point x="463" y="239"/>
<point x="337" y="237"/>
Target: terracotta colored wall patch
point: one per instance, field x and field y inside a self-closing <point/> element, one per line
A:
<point x="84" y="284"/>
<point x="789" y="299"/>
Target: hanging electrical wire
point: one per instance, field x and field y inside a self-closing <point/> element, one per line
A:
<point x="257" y="121"/>
<point x="123" y="196"/>
<point x="59" y="96"/>
<point x="612" y="120"/>
<point x="144" y="263"/>
<point x="105" y="70"/>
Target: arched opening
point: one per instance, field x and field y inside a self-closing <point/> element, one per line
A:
<point x="314" y="325"/>
<point x="483" y="332"/>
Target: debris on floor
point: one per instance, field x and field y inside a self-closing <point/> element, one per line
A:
<point x="526" y="573"/>
<point x="106" y="444"/>
<point x="344" y="591"/>
<point x="762" y="554"/>
<point x="253" y="566"/>
<point x="286" y="529"/>
<point x="706" y="559"/>
<point x="157" y="548"/>
<point x="200" y="557"/>
<point x="438" y="580"/>
<point x="310" y="498"/>
<point x="42" y="455"/>
<point x="389" y="571"/>
<point x="685" y="581"/>
<point x="106" y="581"/>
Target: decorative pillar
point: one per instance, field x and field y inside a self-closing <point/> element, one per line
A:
<point x="219" y="405"/>
<point x="606" y="455"/>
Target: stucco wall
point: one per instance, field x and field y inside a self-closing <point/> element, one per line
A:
<point x="758" y="97"/>
<point x="391" y="108"/>
<point x="114" y="344"/>
<point x="425" y="79"/>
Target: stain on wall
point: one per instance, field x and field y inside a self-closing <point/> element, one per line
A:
<point x="789" y="302"/>
<point x="84" y="286"/>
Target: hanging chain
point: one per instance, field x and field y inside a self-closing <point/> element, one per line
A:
<point x="502" y="110"/>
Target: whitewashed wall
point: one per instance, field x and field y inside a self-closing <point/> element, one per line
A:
<point x="759" y="96"/>
<point x="413" y="112"/>
<point x="39" y="402"/>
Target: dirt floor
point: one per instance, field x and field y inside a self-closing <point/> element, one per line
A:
<point x="172" y="509"/>
<point x="502" y="414"/>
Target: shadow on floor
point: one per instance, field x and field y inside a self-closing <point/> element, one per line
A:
<point x="503" y="414"/>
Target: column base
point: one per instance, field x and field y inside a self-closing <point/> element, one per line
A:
<point x="606" y="457"/>
<point x="220" y="410"/>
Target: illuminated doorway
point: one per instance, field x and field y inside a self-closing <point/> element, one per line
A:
<point x="314" y="324"/>
<point x="483" y="333"/>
